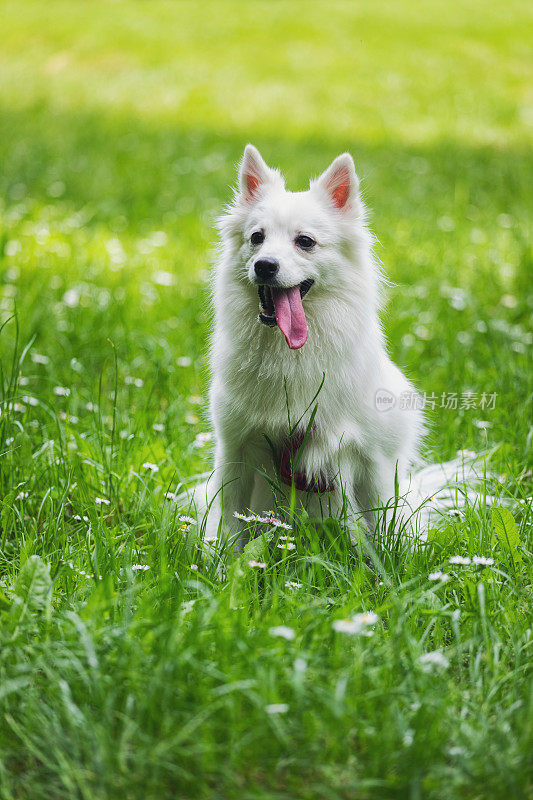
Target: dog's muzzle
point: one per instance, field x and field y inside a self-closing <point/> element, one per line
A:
<point x="267" y="314"/>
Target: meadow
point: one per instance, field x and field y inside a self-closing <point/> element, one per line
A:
<point x="133" y="662"/>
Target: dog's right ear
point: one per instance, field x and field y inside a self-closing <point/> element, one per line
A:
<point x="253" y="173"/>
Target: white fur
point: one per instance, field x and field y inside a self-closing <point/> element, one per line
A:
<point x="254" y="372"/>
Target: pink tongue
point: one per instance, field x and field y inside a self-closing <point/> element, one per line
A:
<point x="290" y="316"/>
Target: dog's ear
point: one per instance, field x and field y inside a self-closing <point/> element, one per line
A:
<point x="340" y="182"/>
<point x="253" y="173"/>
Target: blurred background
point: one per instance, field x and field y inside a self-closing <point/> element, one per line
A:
<point x="120" y="127"/>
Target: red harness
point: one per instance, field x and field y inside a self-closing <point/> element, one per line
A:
<point x="317" y="483"/>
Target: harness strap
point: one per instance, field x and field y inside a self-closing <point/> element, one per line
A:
<point x="318" y="482"/>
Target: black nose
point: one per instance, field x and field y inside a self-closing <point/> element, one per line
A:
<point x="266" y="268"/>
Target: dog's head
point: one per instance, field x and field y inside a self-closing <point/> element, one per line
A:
<point x="290" y="244"/>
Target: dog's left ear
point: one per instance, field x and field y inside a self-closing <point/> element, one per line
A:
<point x="340" y="183"/>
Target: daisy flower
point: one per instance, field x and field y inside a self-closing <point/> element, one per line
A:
<point x="286" y="546"/>
<point x="37" y="358"/>
<point x="482" y="561"/>
<point x="245" y="517"/>
<point x="272" y="520"/>
<point x="433" y="660"/>
<point x="283" y="632"/>
<point x="358" y="624"/>
<point x="268" y="519"/>
<point x="439" y="576"/>
<point x="277" y="708"/>
<point x="346" y="626"/>
<point x="464" y="560"/>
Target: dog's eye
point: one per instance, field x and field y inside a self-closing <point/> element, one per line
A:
<point x="257" y="237"/>
<point x="305" y="242"/>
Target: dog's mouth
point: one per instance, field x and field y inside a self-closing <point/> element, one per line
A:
<point x="284" y="308"/>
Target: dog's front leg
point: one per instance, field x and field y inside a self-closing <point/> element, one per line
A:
<point x="230" y="488"/>
<point x="376" y="492"/>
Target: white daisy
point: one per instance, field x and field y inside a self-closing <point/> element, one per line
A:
<point x="346" y="626"/>
<point x="277" y="708"/>
<point x="202" y="439"/>
<point x="257" y="564"/>
<point x="273" y="520"/>
<point x="283" y="631"/>
<point x="464" y="560"/>
<point x="358" y="624"/>
<point x="408" y="737"/>
<point x="37" y="358"/>
<point x="268" y="519"/>
<point x="433" y="660"/>
<point x="482" y="561"/>
<point x="300" y="665"/>
<point x="245" y="517"/>
<point x="366" y="618"/>
<point x="150" y="466"/>
<point x="439" y="576"/>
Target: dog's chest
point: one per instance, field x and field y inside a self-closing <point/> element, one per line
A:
<point x="268" y="403"/>
<point x="275" y="392"/>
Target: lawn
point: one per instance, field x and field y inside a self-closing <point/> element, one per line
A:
<point x="134" y="664"/>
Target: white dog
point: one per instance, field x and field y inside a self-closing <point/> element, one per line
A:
<point x="296" y="301"/>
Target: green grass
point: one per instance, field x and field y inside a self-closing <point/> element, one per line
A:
<point x="120" y="126"/>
